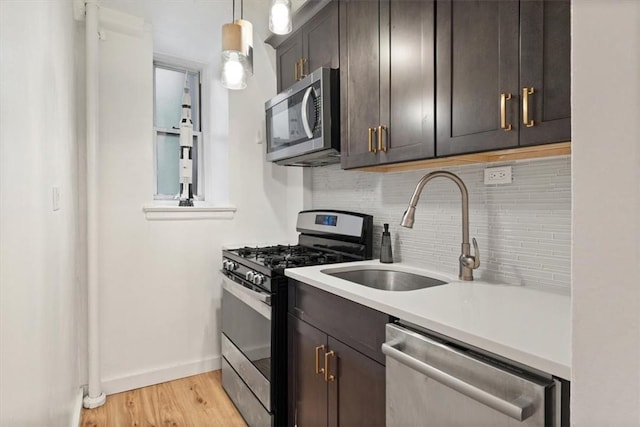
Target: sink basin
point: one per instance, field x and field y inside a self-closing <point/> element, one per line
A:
<point x="388" y="280"/>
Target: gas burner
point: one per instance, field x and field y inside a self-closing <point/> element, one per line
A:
<point x="328" y="258"/>
<point x="300" y="256"/>
<point x="273" y="261"/>
<point x="296" y="261"/>
<point x="287" y="260"/>
<point x="261" y="251"/>
<point x="246" y="251"/>
<point x="269" y="252"/>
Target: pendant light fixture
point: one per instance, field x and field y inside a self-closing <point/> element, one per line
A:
<point x="237" y="51"/>
<point x="280" y="17"/>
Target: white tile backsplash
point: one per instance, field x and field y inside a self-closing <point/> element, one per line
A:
<point x="523" y="228"/>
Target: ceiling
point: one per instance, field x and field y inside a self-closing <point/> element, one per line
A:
<point x="191" y="28"/>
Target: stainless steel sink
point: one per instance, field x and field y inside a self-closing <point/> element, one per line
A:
<point x="388" y="280"/>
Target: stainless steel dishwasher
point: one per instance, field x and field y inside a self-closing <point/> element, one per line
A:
<point x="432" y="382"/>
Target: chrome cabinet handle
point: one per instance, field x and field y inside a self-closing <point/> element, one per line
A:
<point x="519" y="411"/>
<point x="504" y="97"/>
<point x="381" y="130"/>
<point x="526" y="91"/>
<point x="295" y="70"/>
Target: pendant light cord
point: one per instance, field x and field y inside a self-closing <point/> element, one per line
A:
<point x="233" y="14"/>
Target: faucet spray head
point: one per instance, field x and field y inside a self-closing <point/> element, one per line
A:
<point x="409" y="217"/>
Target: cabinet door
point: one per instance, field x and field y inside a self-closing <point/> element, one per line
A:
<point x="357" y="394"/>
<point x="307" y="390"/>
<point x="407" y="84"/>
<point x="321" y="41"/>
<point x="545" y="66"/>
<point x="359" y="81"/>
<point x="287" y="56"/>
<point x="477" y="61"/>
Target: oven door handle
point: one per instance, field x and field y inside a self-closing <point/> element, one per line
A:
<point x="258" y="301"/>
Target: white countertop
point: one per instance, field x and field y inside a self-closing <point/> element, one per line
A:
<point x="526" y="325"/>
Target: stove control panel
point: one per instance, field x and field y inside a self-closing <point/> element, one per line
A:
<point x="243" y="273"/>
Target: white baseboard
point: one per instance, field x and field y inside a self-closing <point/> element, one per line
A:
<point x="159" y="375"/>
<point x="76" y="413"/>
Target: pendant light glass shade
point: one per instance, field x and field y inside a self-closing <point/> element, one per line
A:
<point x="237" y="53"/>
<point x="233" y="71"/>
<point x="280" y="17"/>
<point x="234" y="75"/>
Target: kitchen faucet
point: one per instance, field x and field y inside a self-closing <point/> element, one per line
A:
<point x="467" y="262"/>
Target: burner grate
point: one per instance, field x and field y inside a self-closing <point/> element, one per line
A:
<point x="301" y="258"/>
<point x="270" y="251"/>
<point x="278" y="257"/>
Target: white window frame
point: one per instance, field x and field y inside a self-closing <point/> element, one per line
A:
<point x="178" y="65"/>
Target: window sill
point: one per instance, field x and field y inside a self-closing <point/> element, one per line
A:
<point x="164" y="212"/>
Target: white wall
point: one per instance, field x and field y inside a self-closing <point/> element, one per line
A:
<point x="39" y="286"/>
<point x="268" y="196"/>
<point x="606" y="209"/>
<point x="160" y="292"/>
<point x="523" y="228"/>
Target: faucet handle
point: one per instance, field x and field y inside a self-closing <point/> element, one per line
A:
<point x="476" y="254"/>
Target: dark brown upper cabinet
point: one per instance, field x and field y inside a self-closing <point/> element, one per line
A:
<point x="314" y="45"/>
<point x="503" y="74"/>
<point x="288" y="58"/>
<point x="386" y="82"/>
<point x="545" y="67"/>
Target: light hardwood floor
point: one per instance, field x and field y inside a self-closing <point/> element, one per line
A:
<point x="193" y="401"/>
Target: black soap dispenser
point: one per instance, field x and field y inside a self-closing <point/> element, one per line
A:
<point x="386" y="255"/>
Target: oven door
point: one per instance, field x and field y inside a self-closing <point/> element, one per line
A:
<point x="246" y="334"/>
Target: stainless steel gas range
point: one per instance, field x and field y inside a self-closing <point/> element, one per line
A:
<point x="254" y="307"/>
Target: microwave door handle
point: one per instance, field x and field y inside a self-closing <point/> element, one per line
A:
<point x="305" y="118"/>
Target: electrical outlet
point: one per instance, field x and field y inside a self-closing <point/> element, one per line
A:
<point x="499" y="175"/>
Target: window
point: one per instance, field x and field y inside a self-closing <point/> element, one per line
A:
<point x="168" y="82"/>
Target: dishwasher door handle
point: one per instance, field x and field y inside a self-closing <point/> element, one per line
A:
<point x="517" y="410"/>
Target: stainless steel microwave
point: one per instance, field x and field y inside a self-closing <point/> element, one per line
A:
<point x="303" y="122"/>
